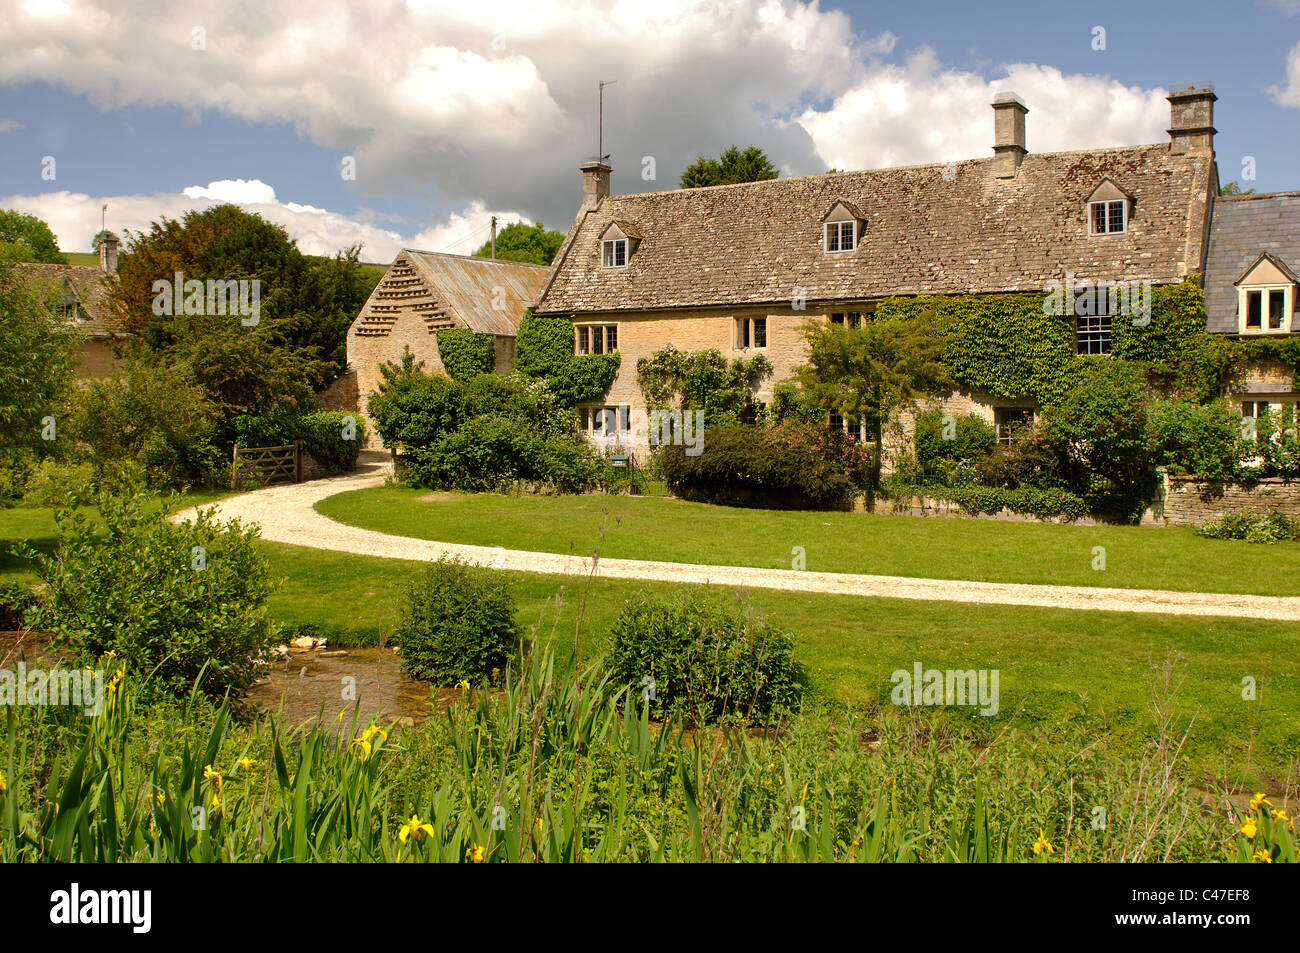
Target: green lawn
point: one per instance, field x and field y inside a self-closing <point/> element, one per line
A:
<point x="942" y="548"/>
<point x="1055" y="663"/>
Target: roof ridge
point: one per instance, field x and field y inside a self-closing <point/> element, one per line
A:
<point x="888" y="168"/>
<point x="494" y="261"/>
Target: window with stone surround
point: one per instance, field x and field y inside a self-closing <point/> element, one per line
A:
<point x="595" y="338"/>
<point x="1107" y="218"/>
<point x="609" y="422"/>
<point x="849" y="319"/>
<point x="751" y="333"/>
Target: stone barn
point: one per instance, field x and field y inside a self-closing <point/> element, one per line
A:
<point x="423" y="293"/>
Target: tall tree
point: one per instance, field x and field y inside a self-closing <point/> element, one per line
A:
<point x="36" y="366"/>
<point x="534" y="244"/>
<point x="873" y="372"/>
<point x="25" y="237"/>
<point x="734" y="165"/>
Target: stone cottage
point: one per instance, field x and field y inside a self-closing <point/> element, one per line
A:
<point x="80" y="294"/>
<point x="1251" y="288"/>
<point x="741" y="267"/>
<point x="421" y="294"/>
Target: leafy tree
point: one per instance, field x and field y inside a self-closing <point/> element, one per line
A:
<point x="1099" y="429"/>
<point x="25" y="237"/>
<point x="535" y="244"/>
<point x="873" y="372"/>
<point x="1232" y="188"/>
<point x="306" y="304"/>
<point x="36" y="363"/>
<point x="734" y="165"/>
<point x="99" y="238"/>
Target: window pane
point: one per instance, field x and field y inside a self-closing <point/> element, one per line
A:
<point x="620" y="253"/>
<point x="1098" y="218"/>
<point x="832" y="238"/>
<point x="1116" y="217"/>
<point x="596" y="339"/>
<point x="760" y="332"/>
<point x="1276" y="299"/>
<point x="582" y="340"/>
<point x="611" y="338"/>
<point x="837" y="319"/>
<point x="744" y="332"/>
<point x="1254" y="308"/>
<point x="855" y="319"/>
<point x="846" y="235"/>
<point x="607" y="258"/>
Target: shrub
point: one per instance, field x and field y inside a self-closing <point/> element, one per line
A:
<point x="58" y="484"/>
<point x="709" y="663"/>
<point x="466" y="354"/>
<point x="1245" y="525"/>
<point x="181" y="605"/>
<point x="15" y="600"/>
<point x="457" y="622"/>
<point x="492" y="432"/>
<point x="151" y="414"/>
<point x="940" y="445"/>
<point x="1199" y="439"/>
<point x="789" y="465"/>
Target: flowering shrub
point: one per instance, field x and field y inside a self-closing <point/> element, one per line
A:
<point x="790" y="465"/>
<point x="1267" y="834"/>
<point x="1274" y="527"/>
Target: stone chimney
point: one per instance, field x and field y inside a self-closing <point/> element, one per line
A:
<point x="595" y="182"/>
<point x="1008" y="134"/>
<point x="1191" y="119"/>
<point x="108" y="246"/>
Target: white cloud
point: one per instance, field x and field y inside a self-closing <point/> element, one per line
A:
<point x="1289" y="95"/>
<point x="495" y="103"/>
<point x="919" y="113"/>
<point x="74" y="218"/>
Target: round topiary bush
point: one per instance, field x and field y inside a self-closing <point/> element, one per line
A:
<point x="457" y="623"/>
<point x="708" y="662"/>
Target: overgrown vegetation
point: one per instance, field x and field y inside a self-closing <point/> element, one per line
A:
<point x="544" y="349"/>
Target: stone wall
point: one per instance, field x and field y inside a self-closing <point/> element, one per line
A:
<point x="1185" y="501"/>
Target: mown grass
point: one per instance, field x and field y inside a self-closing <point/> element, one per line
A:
<point x="938" y="548"/>
<point x="1090" y="667"/>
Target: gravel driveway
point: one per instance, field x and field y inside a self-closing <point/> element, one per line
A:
<point x="285" y="515"/>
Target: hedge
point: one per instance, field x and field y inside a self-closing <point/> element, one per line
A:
<point x="332" y="437"/>
<point x="1025" y="500"/>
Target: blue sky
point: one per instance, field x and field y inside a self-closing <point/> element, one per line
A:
<point x="454" y="115"/>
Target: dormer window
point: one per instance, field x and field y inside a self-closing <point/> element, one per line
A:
<point x="841" y="236"/>
<point x="1107" y="218"/>
<point x="614" y="253"/>
<point x="1266" y="298"/>
<point x="841" y="228"/>
<point x="1108" y="209"/>
<point x="617" y="243"/>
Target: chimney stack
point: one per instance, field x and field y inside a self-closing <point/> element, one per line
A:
<point x="595" y="182"/>
<point x="108" y="245"/>
<point x="1191" y="119"/>
<point x="1008" y="134"/>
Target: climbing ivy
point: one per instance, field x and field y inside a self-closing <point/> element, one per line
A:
<point x="466" y="354"/>
<point x="544" y="349"/>
<point x="702" y="380"/>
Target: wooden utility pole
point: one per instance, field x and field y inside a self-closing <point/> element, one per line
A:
<point x="494" y="237"/>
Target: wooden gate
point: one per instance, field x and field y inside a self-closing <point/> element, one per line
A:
<point x="268" y="464"/>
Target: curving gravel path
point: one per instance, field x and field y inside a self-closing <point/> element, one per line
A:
<point x="286" y="515"/>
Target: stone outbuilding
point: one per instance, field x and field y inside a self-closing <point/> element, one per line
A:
<point x="421" y="294"/>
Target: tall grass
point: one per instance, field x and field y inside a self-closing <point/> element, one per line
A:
<point x="571" y="768"/>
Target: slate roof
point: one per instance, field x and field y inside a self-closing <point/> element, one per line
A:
<point x="452" y="291"/>
<point x="89" y="286"/>
<point x="1242" y="228"/>
<point x="931" y="229"/>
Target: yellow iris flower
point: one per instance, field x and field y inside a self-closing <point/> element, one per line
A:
<point x="414" y="826"/>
